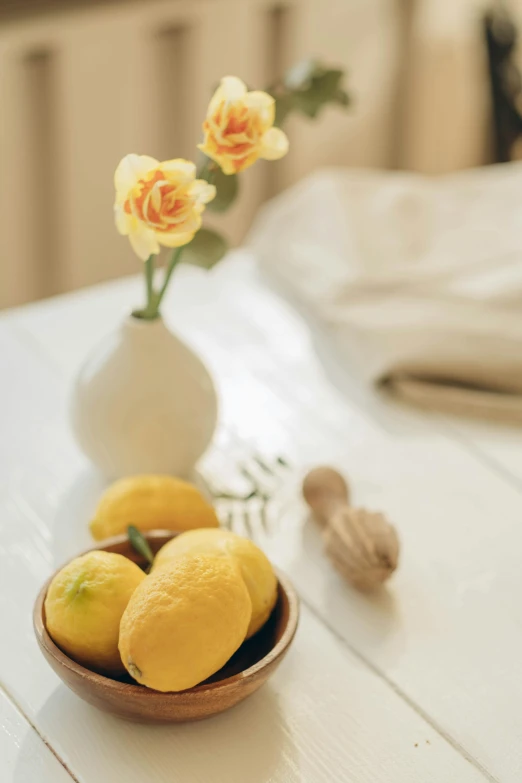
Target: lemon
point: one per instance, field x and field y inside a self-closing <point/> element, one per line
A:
<point x="183" y="623"/>
<point x="84" y="605"/>
<point x="149" y="502"/>
<point x="256" y="570"/>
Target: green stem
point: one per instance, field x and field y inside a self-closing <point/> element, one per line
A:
<point x="206" y="170"/>
<point x="149" y="276"/>
<point x="150" y="311"/>
<point x="174" y="261"/>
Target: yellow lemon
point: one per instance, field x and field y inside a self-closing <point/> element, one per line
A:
<point x="149" y="502"/>
<point x="256" y="570"/>
<point x="84" y="605"/>
<point x="183" y="623"/>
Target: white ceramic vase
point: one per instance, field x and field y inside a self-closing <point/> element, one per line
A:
<point x="143" y="403"/>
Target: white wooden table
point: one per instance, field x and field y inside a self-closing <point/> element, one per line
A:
<point x="421" y="684"/>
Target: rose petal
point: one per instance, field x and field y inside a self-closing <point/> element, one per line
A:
<point x="122" y="219"/>
<point x="231" y="88"/>
<point x="245" y="162"/>
<point x="155" y="198"/>
<point x="202" y="191"/>
<point x="129" y="170"/>
<point x="209" y="149"/>
<point x="227" y="164"/>
<point x="143" y="241"/>
<point x="176" y="240"/>
<point x="274" y="144"/>
<point x="263" y="104"/>
<point x="178" y="170"/>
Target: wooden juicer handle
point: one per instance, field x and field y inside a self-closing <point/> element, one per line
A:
<point x="361" y="544"/>
<point x="326" y="492"/>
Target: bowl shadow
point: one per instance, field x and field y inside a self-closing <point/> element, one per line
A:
<point x="251" y="742"/>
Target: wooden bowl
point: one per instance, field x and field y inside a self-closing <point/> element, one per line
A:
<point x="244" y="673"/>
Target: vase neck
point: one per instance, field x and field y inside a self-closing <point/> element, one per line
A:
<point x="138" y="329"/>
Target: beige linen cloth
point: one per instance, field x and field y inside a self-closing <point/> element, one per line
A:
<point x="419" y="278"/>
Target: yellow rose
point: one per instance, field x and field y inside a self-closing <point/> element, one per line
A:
<point x="158" y="203"/>
<point x="238" y="128"/>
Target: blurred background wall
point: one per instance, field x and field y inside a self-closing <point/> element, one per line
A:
<point x="84" y="83"/>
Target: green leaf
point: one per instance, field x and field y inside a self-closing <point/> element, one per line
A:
<point x="283" y="107"/>
<point x="323" y="89"/>
<point x="206" y="249"/>
<point x="327" y="83"/>
<point x="308" y="103"/>
<point x="202" y="166"/>
<point x="140" y="544"/>
<point x="341" y="97"/>
<point x="299" y="76"/>
<point x="306" y="88"/>
<point x="227" y="187"/>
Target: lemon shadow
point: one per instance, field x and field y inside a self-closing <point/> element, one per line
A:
<point x="74" y="511"/>
<point x="251" y="742"/>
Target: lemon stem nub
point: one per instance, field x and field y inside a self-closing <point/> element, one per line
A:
<point x="133" y="670"/>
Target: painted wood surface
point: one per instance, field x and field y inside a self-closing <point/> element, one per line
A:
<point x="24" y="757"/>
<point x="436" y="657"/>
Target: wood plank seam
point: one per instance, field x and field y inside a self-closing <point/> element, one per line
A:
<point x="401" y="694"/>
<point x="485" y="459"/>
<point x="45" y="741"/>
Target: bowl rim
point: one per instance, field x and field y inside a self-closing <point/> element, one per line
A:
<point x="143" y="691"/>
